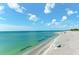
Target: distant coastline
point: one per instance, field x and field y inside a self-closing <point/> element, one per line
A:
<point x="74" y="29"/>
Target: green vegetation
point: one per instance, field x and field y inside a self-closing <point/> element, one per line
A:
<point x="74" y="29"/>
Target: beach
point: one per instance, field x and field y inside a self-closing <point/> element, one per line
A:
<point x="68" y="41"/>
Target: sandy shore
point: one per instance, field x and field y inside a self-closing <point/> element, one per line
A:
<point x="69" y="42"/>
<point x="39" y="49"/>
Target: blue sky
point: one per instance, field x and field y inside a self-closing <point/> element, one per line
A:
<point x="38" y="16"/>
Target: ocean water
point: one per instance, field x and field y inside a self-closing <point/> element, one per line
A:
<point x="13" y="42"/>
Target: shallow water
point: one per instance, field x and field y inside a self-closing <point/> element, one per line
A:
<point x="13" y="42"/>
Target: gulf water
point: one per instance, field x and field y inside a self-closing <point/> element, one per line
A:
<point x="13" y="42"/>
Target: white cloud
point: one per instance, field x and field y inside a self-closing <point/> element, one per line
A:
<point x="48" y="7"/>
<point x="1" y="9"/>
<point x="64" y="18"/>
<point x="53" y="23"/>
<point x="71" y="12"/>
<point x="16" y="7"/>
<point x="13" y="27"/>
<point x="33" y="17"/>
<point x="48" y="24"/>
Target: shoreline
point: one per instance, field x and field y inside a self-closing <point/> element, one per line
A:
<point x="69" y="45"/>
<point x="53" y="43"/>
<point x="40" y="48"/>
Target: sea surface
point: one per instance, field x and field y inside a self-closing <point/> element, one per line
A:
<point x="13" y="42"/>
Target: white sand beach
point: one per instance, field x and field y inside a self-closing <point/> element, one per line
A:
<point x="67" y="43"/>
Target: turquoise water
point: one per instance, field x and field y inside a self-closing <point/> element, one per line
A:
<point x="13" y="42"/>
